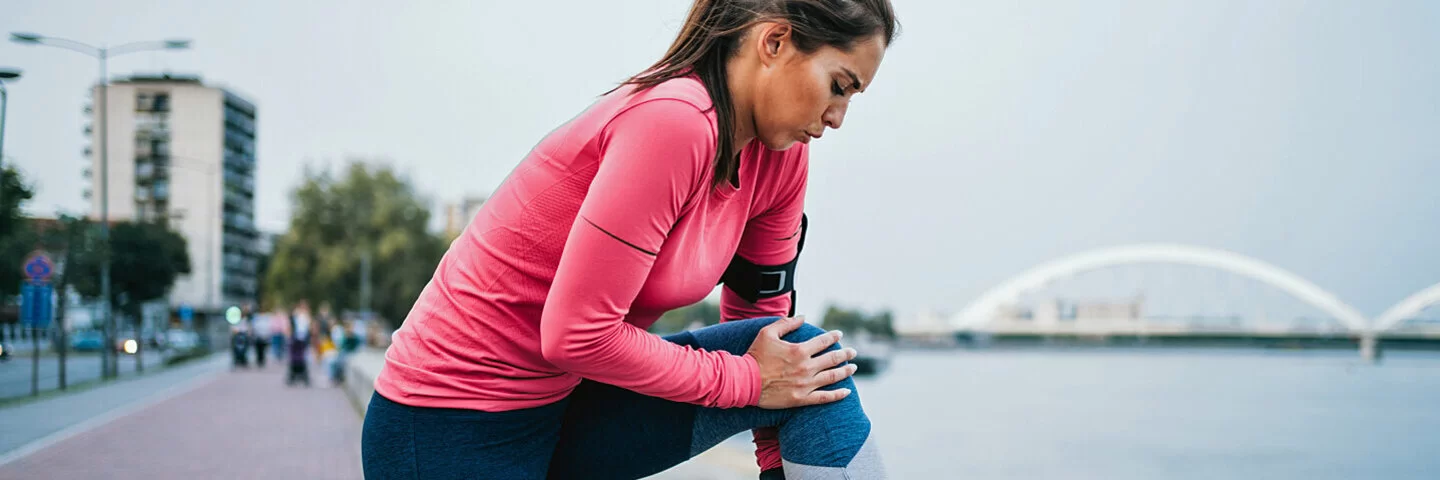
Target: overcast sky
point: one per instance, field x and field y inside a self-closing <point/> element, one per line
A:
<point x="997" y="135"/>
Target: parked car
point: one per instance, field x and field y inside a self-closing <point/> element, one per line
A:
<point x="87" y="341"/>
<point x="178" y="339"/>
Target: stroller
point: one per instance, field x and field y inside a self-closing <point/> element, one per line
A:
<point x="240" y="349"/>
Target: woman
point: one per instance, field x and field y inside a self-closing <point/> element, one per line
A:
<point x="526" y="355"/>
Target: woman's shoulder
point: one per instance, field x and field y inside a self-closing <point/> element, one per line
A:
<point x="687" y="89"/>
<point x="677" y="109"/>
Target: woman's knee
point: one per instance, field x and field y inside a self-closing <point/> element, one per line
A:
<point x="736" y="336"/>
<point x="807" y="332"/>
<point x="733" y="336"/>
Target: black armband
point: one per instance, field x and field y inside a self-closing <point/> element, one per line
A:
<point x="754" y="282"/>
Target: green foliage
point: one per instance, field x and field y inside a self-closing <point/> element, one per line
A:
<point x="880" y="325"/>
<point x="705" y="313"/>
<point x="14" y="192"/>
<point x="262" y="267"/>
<point x="336" y="222"/>
<point x="16" y="242"/>
<point x="146" y="258"/>
<point x="70" y="240"/>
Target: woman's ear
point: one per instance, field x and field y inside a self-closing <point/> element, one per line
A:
<point x="774" y="41"/>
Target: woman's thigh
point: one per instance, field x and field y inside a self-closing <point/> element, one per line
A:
<point x="610" y="432"/>
<point x="405" y="442"/>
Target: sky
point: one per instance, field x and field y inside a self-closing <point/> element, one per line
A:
<point x="996" y="136"/>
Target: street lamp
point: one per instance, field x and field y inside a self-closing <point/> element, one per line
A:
<point x="5" y="74"/>
<point x="101" y="54"/>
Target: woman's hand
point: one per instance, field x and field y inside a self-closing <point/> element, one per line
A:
<point x="789" y="376"/>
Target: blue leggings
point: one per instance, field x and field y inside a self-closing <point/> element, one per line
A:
<point x="604" y="432"/>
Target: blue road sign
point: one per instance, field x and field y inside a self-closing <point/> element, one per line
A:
<point x="36" y="305"/>
<point x="38" y="267"/>
<point x="187" y="314"/>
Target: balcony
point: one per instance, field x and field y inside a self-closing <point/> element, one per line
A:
<point x="159" y="102"/>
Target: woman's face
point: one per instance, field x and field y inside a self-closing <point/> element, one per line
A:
<point x="798" y="95"/>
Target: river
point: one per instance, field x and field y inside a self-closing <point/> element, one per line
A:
<point x="1156" y="414"/>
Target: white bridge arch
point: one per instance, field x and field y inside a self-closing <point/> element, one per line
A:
<point x="982" y="310"/>
<point x="1408" y="307"/>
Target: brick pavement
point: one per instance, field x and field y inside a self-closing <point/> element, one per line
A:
<point x="242" y="425"/>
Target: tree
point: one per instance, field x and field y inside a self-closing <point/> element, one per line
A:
<point x="855" y="321"/>
<point x="146" y="258"/>
<point x="337" y="222"/>
<point x="16" y="242"/>
<point x="262" y="267"/>
<point x="69" y="240"/>
<point x="843" y="319"/>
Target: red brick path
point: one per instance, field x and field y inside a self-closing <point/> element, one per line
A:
<point x="242" y="425"/>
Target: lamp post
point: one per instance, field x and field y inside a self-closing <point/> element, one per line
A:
<point x="102" y="54"/>
<point x="5" y="74"/>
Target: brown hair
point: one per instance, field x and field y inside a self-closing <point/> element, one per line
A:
<point x="713" y="29"/>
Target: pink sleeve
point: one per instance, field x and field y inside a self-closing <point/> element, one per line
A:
<point x="771" y="238"/>
<point x="652" y="161"/>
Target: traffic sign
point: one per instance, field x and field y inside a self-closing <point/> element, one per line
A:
<point x="187" y="314"/>
<point x="38" y="267"/>
<point x="35" y="304"/>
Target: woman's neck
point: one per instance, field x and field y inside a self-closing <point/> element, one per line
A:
<point x="742" y="97"/>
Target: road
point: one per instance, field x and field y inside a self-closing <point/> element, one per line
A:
<point x="15" y="373"/>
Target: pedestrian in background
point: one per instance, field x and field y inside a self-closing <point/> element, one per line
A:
<point x="279" y="330"/>
<point x="299" y="371"/>
<point x="239" y="346"/>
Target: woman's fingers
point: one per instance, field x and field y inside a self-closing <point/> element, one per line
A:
<point x="829" y="377"/>
<point x="825" y="396"/>
<point x="831" y="359"/>
<point x="820" y="343"/>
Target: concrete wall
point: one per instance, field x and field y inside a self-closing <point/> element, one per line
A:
<point x="197" y="190"/>
<point x="120" y="135"/>
<point x="360" y="372"/>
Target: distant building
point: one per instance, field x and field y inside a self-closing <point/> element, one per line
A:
<point x="1105" y="311"/>
<point x="459" y="214"/>
<point x="185" y="152"/>
<point x="925" y="322"/>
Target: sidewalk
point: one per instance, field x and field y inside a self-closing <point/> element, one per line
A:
<point x="217" y="425"/>
<point x="202" y="420"/>
<point x="23" y="424"/>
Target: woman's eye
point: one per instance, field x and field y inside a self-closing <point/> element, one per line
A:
<point x="835" y="87"/>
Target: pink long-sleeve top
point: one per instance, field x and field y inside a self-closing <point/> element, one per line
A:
<point x="609" y="222"/>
